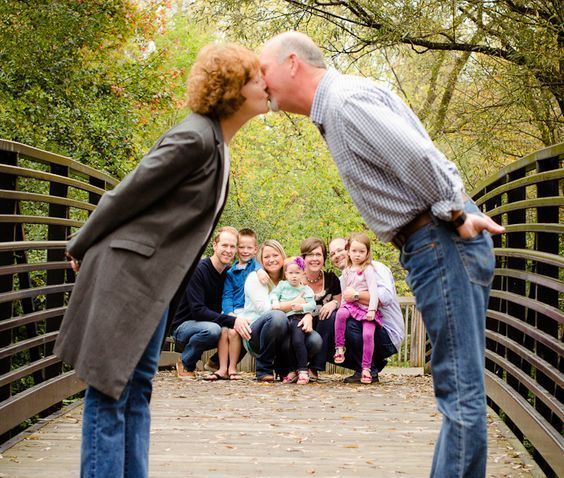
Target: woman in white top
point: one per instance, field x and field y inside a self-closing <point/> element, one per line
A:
<point x="270" y="340"/>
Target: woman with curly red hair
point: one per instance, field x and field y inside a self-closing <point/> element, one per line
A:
<point x="136" y="253"/>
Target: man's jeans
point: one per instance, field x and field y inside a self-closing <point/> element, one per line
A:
<point x="383" y="346"/>
<point x="195" y="337"/>
<point x="115" y="433"/>
<point x="451" y="280"/>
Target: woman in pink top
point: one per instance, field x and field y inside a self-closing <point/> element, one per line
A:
<point x="360" y="275"/>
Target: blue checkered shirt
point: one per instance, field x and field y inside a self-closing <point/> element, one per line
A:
<point x="385" y="157"/>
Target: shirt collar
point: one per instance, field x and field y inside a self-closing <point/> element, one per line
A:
<point x="320" y="98"/>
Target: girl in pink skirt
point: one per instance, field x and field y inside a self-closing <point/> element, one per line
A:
<point x="359" y="275"/>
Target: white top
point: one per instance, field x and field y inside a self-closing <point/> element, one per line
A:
<point x="257" y="298"/>
<point x="392" y="318"/>
<point x="226" y="168"/>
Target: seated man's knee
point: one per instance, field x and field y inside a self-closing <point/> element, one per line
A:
<point x="354" y="327"/>
<point x="211" y="332"/>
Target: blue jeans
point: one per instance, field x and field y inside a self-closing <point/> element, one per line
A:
<point x="300" y="347"/>
<point x="196" y="337"/>
<point x="115" y="433"/>
<point x="451" y="279"/>
<point x="268" y="333"/>
<point x="383" y="346"/>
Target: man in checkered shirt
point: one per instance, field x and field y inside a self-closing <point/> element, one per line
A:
<point x="411" y="195"/>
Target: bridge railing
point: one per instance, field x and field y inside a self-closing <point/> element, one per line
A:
<point x="43" y="198"/>
<point x="525" y="321"/>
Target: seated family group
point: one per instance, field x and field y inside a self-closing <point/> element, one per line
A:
<point x="290" y="314"/>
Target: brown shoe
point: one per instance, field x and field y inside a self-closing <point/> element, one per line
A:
<point x="182" y="373"/>
<point x="265" y="378"/>
<point x="211" y="366"/>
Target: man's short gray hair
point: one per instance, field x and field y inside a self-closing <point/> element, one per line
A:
<point x="305" y="49"/>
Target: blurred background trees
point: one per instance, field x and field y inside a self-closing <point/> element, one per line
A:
<point x="100" y="80"/>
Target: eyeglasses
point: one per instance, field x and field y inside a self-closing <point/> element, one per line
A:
<point x="316" y="255"/>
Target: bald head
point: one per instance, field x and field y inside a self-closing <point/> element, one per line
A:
<point x="299" y="43"/>
<point x="292" y="66"/>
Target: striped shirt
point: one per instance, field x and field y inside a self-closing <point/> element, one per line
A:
<point x="386" y="159"/>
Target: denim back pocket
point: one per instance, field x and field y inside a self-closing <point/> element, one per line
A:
<point x="478" y="258"/>
<point x="420" y="257"/>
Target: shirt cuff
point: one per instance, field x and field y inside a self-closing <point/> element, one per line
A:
<point x="443" y="209"/>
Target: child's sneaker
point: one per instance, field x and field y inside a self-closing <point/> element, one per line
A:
<point x="366" y="376"/>
<point x="339" y="356"/>
<point x="303" y="377"/>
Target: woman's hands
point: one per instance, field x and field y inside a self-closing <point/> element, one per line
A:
<point x="306" y="323"/>
<point x="74" y="263"/>
<point x="350" y="295"/>
<point x="328" y="309"/>
<point x="263" y="277"/>
<point x="243" y="327"/>
<point x="294" y="304"/>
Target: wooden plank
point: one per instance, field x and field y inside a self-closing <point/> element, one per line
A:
<point x="537" y="430"/>
<point x="34" y="266"/>
<point x="551" y="259"/>
<point x="46" y="198"/>
<point x="527" y="162"/>
<point x="248" y="429"/>
<point x="526" y="181"/>
<point x="527" y="204"/>
<point x="53" y="178"/>
<point x="29" y="245"/>
<point x="23" y="219"/>
<point x="552" y="312"/>
<point x="48" y="157"/>
<point x="38" y="398"/>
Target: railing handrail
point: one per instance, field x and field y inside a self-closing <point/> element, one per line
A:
<point x="18" y="398"/>
<point x="53" y="158"/>
<point x="527" y="161"/>
<point x="525" y="317"/>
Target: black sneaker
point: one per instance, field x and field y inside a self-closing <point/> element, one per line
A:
<point x="355" y="378"/>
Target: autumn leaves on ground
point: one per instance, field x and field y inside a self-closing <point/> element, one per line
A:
<point x="247" y="429"/>
<point x="257" y="430"/>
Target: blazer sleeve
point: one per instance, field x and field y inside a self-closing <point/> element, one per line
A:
<point x="180" y="153"/>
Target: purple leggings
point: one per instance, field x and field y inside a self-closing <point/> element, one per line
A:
<point x="368" y="329"/>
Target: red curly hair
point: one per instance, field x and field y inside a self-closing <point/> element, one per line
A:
<point x="217" y="77"/>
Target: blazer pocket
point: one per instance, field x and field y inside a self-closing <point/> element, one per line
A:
<point x="142" y="249"/>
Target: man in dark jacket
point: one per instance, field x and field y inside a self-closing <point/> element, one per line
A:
<point x="198" y="321"/>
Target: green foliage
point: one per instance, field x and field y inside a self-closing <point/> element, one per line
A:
<point x="79" y="78"/>
<point x="485" y="77"/>
<point x="285" y="186"/>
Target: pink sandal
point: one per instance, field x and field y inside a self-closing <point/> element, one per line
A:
<point x="292" y="377"/>
<point x="303" y="377"/>
<point x="339" y="356"/>
<point x="366" y="376"/>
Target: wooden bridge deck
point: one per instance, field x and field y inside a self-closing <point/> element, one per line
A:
<point x="247" y="429"/>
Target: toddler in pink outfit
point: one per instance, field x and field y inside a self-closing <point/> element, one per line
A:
<point x="361" y="276"/>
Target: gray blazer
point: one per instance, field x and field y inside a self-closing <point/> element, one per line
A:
<point x="137" y="248"/>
